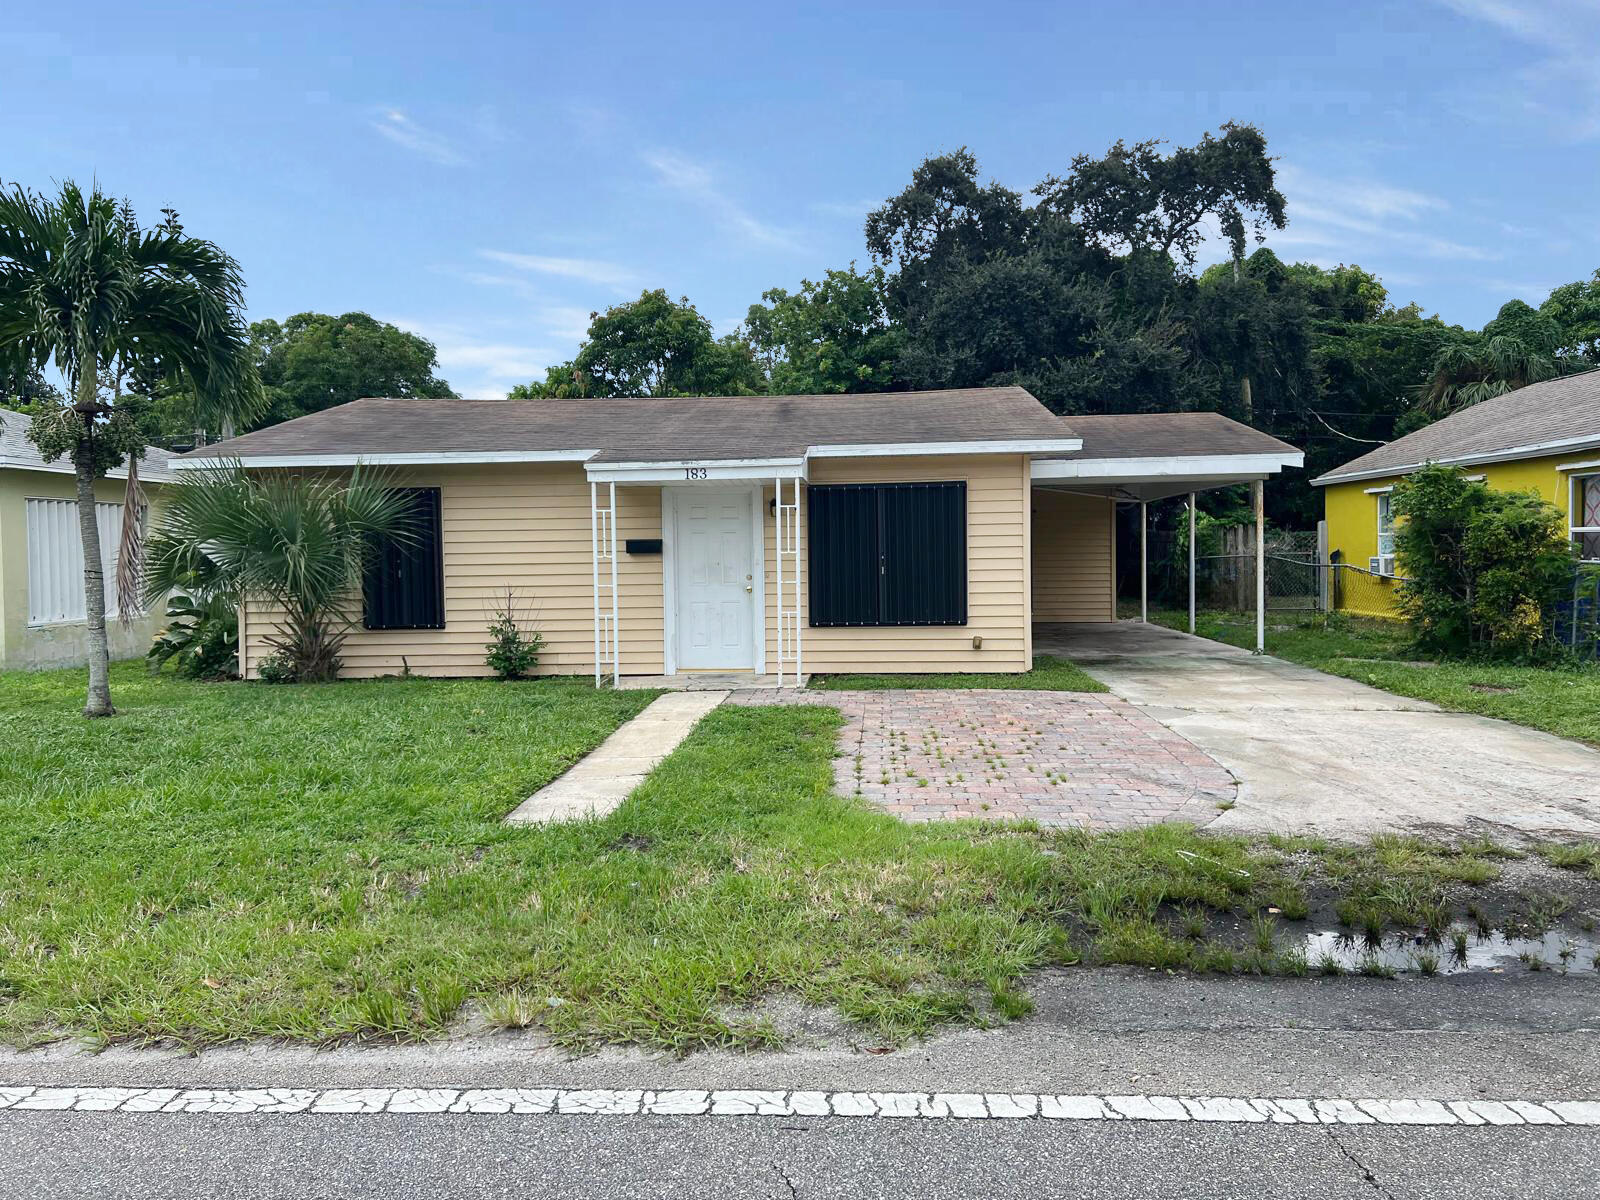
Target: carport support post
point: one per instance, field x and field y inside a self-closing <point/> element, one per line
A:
<point x="1191" y="562"/>
<point x="1144" y="562"/>
<point x="1256" y="500"/>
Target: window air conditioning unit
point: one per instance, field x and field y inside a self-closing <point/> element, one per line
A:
<point x="1381" y="565"/>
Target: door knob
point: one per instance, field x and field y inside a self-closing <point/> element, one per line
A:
<point x="748" y="588"/>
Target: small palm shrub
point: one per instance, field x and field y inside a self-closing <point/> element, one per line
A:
<point x="512" y="652"/>
<point x="298" y="546"/>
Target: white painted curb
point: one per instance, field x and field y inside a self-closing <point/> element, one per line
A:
<point x="622" y="1102"/>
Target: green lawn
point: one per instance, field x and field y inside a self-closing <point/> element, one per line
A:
<point x="1049" y="674"/>
<point x="225" y="861"/>
<point x="1561" y="701"/>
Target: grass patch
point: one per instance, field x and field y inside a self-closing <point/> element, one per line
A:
<point x="231" y="861"/>
<point x="1563" y="701"/>
<point x="1049" y="674"/>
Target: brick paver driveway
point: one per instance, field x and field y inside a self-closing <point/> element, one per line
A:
<point x="1060" y="758"/>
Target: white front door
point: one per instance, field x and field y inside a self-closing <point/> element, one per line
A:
<point x="715" y="580"/>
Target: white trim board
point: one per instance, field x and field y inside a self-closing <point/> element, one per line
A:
<point x="905" y="449"/>
<point x="411" y="458"/>
<point x="1512" y="454"/>
<point x="1174" y="466"/>
<point x="677" y="471"/>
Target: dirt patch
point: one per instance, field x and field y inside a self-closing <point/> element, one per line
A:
<point x="1492" y="689"/>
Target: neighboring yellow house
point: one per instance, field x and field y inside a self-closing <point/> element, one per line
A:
<point x="764" y="536"/>
<point x="41" y="555"/>
<point x="1544" y="438"/>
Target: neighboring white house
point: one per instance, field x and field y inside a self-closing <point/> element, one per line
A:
<point x="41" y="554"/>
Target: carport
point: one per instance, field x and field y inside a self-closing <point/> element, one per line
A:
<point x="1140" y="458"/>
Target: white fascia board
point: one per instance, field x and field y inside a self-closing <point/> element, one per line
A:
<point x="1531" y="450"/>
<point x="1587" y="465"/>
<point x="413" y="458"/>
<point x="1177" y="466"/>
<point x="13" y="463"/>
<point x="697" y="470"/>
<point x="908" y="449"/>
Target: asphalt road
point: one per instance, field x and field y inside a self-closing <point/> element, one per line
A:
<point x="1527" y="1037"/>
<point x="178" y="1157"/>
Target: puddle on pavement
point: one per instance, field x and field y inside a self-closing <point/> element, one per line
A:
<point x="1555" y="951"/>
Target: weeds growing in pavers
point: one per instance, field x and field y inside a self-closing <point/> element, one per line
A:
<point x="343" y="871"/>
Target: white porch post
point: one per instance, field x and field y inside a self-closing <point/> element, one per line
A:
<point x="799" y="621"/>
<point x="594" y="555"/>
<point x="616" y="636"/>
<point x="1257" y="490"/>
<point x="777" y="553"/>
<point x="1144" y="562"/>
<point x="1191" y="562"/>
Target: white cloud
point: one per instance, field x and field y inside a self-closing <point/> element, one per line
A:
<point x="397" y="127"/>
<point x="696" y="182"/>
<point x="1560" y="89"/>
<point x="589" y="270"/>
<point x="481" y="367"/>
<point x="1358" y="216"/>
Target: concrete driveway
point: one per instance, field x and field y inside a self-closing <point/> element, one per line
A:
<point x="1317" y="754"/>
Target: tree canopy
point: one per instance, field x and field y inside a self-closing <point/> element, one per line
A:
<point x="313" y="361"/>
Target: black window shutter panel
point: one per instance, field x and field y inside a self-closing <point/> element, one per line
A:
<point x="887" y="554"/>
<point x="923" y="534"/>
<point x="842" y="556"/>
<point x="404" y="585"/>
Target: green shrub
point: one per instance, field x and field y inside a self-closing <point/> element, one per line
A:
<point x="201" y="638"/>
<point x="1485" y="569"/>
<point x="512" y="652"/>
<point x="276" y="668"/>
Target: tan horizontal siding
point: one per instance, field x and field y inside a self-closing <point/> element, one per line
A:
<point x="997" y="564"/>
<point x="1072" y="557"/>
<point x="526" y="526"/>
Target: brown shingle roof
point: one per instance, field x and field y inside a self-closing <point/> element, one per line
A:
<point x="1168" y="435"/>
<point x="704" y="428"/>
<point x="1563" y="411"/>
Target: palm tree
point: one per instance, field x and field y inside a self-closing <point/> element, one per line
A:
<point x="1468" y="373"/>
<point x="297" y="546"/>
<point x="84" y="287"/>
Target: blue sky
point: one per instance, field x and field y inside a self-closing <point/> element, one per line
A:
<point x="487" y="174"/>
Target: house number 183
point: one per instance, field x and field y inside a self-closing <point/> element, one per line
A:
<point x="694" y="472"/>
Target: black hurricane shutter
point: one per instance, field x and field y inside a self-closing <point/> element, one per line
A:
<point x="404" y="585"/>
<point x="887" y="554"/>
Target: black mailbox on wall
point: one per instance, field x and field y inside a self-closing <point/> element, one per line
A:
<point x="642" y="545"/>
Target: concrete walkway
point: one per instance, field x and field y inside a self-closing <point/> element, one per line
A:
<point x="1317" y="754"/>
<point x="603" y="779"/>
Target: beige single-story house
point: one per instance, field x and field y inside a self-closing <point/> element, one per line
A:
<point x="41" y="554"/>
<point x="777" y="536"/>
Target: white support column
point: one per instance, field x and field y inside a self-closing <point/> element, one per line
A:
<point x="1257" y="491"/>
<point x="786" y="543"/>
<point x="1191" y="562"/>
<point x="777" y="553"/>
<point x="1144" y="561"/>
<point x="594" y="554"/>
<point x="799" y="621"/>
<point x="616" y="635"/>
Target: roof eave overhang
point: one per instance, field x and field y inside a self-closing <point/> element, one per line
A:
<point x="415" y="458"/>
<point x="697" y="470"/>
<point x="1511" y="454"/>
<point x="1210" y="470"/>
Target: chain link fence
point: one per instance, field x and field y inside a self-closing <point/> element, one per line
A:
<point x="1301" y="585"/>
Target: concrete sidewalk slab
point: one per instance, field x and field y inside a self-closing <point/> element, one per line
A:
<point x="605" y="777"/>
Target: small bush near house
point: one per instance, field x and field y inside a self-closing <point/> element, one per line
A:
<point x="512" y="652"/>
<point x="1486" y="569"/>
<point x="276" y="668"/>
<point x="201" y="639"/>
